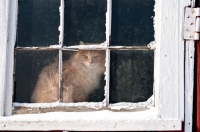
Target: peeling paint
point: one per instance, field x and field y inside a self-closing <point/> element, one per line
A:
<point x="152" y="45"/>
<point x="149" y="103"/>
<point x="55" y="46"/>
<point x="96" y="46"/>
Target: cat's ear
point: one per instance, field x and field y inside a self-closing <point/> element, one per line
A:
<point x="81" y="43"/>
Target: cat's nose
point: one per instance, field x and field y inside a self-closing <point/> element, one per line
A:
<point x="90" y="62"/>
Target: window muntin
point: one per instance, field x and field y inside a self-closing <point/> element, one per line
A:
<point x="76" y="29"/>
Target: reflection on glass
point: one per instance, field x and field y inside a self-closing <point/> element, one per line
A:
<point x="84" y="21"/>
<point x="27" y="68"/>
<point x="132" y="22"/>
<point x="83" y="76"/>
<point x="131" y="76"/>
<point x="38" y="22"/>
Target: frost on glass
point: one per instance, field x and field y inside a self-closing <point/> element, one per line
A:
<point x="84" y="21"/>
<point x="38" y="22"/>
<point x="132" y="22"/>
<point x="131" y="75"/>
<point x="29" y="64"/>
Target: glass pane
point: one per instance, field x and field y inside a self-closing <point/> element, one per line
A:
<point x="132" y="22"/>
<point x="131" y="75"/>
<point x="38" y="22"/>
<point x="84" y="21"/>
<point x="83" y="76"/>
<point x="29" y="64"/>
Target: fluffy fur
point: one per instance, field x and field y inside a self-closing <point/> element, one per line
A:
<point x="80" y="76"/>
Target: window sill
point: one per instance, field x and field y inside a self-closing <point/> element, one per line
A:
<point x="96" y="120"/>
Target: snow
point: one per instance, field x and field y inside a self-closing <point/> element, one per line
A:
<point x="55" y="46"/>
<point x="95" y="105"/>
<point x="61" y="27"/>
<point x="152" y="45"/>
<point x="99" y="46"/>
<point x="139" y="111"/>
<point x="121" y="105"/>
<point x="57" y="104"/>
<point x="94" y="116"/>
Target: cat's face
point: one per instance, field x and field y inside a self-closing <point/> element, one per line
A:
<point x="92" y="58"/>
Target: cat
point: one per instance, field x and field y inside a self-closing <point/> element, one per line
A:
<point x="80" y="77"/>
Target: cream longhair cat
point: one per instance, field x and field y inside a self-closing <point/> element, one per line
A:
<point x="80" y="77"/>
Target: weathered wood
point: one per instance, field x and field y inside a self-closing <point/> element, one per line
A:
<point x="12" y="27"/>
<point x="189" y="84"/>
<point x="169" y="59"/>
<point x="198" y="89"/>
<point x="189" y="81"/>
<point x="4" y="4"/>
<point x="108" y="22"/>
<point x="29" y="110"/>
<point x="91" y="126"/>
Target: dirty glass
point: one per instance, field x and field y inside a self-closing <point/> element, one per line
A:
<point x="131" y="71"/>
<point x="131" y="75"/>
<point x="29" y="64"/>
<point x="97" y="94"/>
<point x="132" y="22"/>
<point x="84" y="21"/>
<point x="38" y="22"/>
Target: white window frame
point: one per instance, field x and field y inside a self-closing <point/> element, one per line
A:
<point x="168" y="113"/>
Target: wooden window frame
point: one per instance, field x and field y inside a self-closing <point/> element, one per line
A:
<point x="169" y="82"/>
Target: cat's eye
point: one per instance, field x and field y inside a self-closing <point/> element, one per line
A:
<point x="97" y="56"/>
<point x="85" y="56"/>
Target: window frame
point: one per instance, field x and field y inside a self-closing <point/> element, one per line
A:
<point x="168" y="78"/>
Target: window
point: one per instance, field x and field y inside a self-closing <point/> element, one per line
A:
<point x="161" y="105"/>
<point x="137" y="80"/>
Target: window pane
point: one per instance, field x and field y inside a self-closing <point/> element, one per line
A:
<point x="131" y="78"/>
<point x="29" y="64"/>
<point x="38" y="22"/>
<point x="132" y="22"/>
<point x="84" y="21"/>
<point x="83" y="76"/>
